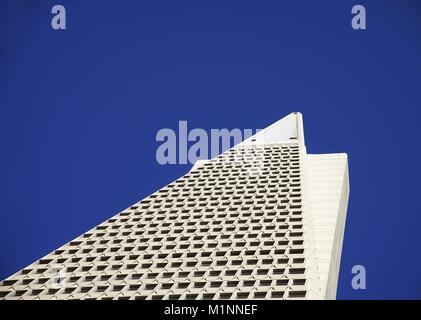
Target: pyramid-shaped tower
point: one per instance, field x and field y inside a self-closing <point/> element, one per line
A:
<point x="263" y="220"/>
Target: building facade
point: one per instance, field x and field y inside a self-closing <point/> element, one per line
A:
<point x="263" y="220"/>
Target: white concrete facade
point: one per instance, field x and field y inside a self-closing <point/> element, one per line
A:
<point x="263" y="220"/>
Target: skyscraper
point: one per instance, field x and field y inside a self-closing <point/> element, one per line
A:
<point x="263" y="220"/>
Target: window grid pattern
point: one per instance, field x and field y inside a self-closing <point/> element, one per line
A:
<point x="229" y="229"/>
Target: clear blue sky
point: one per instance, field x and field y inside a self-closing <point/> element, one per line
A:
<point x="79" y="110"/>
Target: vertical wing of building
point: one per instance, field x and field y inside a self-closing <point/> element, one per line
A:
<point x="327" y="179"/>
<point x="263" y="220"/>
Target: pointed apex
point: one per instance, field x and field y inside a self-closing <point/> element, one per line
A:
<point x="287" y="129"/>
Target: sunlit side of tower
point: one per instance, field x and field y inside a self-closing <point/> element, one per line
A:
<point x="263" y="220"/>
